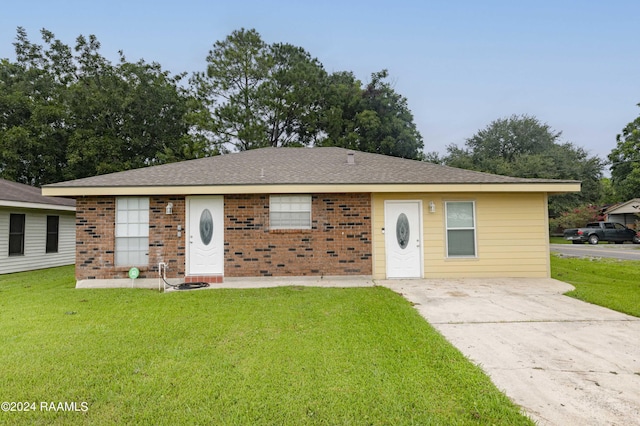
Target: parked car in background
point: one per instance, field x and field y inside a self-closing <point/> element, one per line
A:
<point x="595" y="232"/>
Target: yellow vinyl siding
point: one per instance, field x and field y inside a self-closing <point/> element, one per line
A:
<point x="511" y="235"/>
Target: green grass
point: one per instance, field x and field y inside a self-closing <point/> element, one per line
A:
<point x="558" y="240"/>
<point x="612" y="283"/>
<point x="290" y="356"/>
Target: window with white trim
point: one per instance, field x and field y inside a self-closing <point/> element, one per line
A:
<point x="461" y="228"/>
<point x="132" y="231"/>
<point x="290" y="211"/>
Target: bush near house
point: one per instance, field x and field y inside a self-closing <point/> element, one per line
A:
<point x="575" y="218"/>
<point x="286" y="356"/>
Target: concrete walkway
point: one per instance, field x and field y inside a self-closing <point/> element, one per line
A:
<point x="564" y="361"/>
<point x="328" y="281"/>
<point x="230" y="282"/>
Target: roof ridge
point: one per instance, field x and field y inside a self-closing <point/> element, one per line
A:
<point x="288" y="165"/>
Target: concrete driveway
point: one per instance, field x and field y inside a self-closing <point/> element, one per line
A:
<point x="564" y="361"/>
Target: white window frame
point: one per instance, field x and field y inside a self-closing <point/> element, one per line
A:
<point x="461" y="228"/>
<point x="292" y="205"/>
<point x="132" y="231"/>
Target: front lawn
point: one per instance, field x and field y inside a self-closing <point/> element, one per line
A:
<point x="558" y="240"/>
<point x="612" y="283"/>
<point x="292" y="355"/>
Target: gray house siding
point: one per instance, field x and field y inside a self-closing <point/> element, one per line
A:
<point x="35" y="239"/>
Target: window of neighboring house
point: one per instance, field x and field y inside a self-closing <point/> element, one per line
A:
<point x="132" y="231"/>
<point x="461" y="229"/>
<point x="16" y="234"/>
<point x="53" y="226"/>
<point x="290" y="212"/>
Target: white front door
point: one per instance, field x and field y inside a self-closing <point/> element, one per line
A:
<point x="205" y="235"/>
<point x="403" y="238"/>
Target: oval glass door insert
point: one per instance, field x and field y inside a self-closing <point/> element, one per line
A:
<point x="402" y="231"/>
<point x="206" y="227"/>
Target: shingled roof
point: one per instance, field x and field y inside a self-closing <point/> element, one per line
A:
<point x="20" y="193"/>
<point x="284" y="166"/>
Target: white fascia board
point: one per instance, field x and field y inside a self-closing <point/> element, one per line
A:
<point x="25" y="205"/>
<point x="554" y="188"/>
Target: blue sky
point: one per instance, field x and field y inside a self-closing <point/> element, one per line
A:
<point x="460" y="64"/>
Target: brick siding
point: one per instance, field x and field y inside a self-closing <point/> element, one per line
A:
<point x="164" y="243"/>
<point x="339" y="242"/>
<point x="95" y="238"/>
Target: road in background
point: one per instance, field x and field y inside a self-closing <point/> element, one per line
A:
<point x="616" y="251"/>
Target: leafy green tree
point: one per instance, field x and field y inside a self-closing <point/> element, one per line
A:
<point x="32" y="133"/>
<point x="575" y="218"/>
<point x="230" y="88"/>
<point x="292" y="96"/>
<point x="522" y="146"/>
<point x="125" y="116"/>
<point x="386" y="123"/>
<point x="512" y="137"/>
<point x="342" y="102"/>
<point x="278" y="95"/>
<point x="625" y="162"/>
<point x="260" y="95"/>
<point x="497" y="147"/>
<point x="69" y="113"/>
<point x="373" y="118"/>
<point x="433" y="157"/>
<point x="608" y="193"/>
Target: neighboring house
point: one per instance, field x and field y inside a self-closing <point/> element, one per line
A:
<point x="310" y="211"/>
<point x="35" y="232"/>
<point x="625" y="213"/>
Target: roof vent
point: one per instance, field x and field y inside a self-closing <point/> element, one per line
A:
<point x="351" y="157"/>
